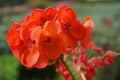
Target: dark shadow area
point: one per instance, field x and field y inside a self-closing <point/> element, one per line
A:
<point x="37" y="74"/>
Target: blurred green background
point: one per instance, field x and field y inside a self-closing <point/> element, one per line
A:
<point x="106" y="34"/>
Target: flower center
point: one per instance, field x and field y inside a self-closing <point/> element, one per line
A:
<point x="48" y="39"/>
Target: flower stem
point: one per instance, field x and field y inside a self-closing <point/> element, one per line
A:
<point x="83" y="76"/>
<point x="10" y="20"/>
<point x="117" y="54"/>
<point x="67" y="68"/>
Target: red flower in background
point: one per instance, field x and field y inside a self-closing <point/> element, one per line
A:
<point x="109" y="57"/>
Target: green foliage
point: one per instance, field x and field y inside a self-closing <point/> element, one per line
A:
<point x="8" y="67"/>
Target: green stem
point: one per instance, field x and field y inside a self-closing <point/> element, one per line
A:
<point x="67" y="68"/>
<point x="90" y="54"/>
<point x="10" y="20"/>
<point x="117" y="54"/>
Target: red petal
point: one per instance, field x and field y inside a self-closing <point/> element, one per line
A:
<point x="42" y="62"/>
<point x="109" y="60"/>
<point x="77" y="30"/>
<point x="13" y="38"/>
<point x="50" y="13"/>
<point x="72" y="42"/>
<point x="35" y="34"/>
<point x="85" y="42"/>
<point x="88" y="22"/>
<point x="32" y="58"/>
<point x="26" y="29"/>
<point x="51" y="43"/>
<point x="28" y="55"/>
<point x="52" y="27"/>
<point x="67" y="15"/>
<point x="13" y="35"/>
<point x="23" y="54"/>
<point x="39" y="16"/>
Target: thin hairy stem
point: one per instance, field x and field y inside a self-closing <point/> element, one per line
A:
<point x="67" y="68"/>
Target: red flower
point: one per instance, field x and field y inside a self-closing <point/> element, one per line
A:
<point x="37" y="18"/>
<point x="35" y="41"/>
<point x="92" y="46"/>
<point x="51" y="42"/>
<point x="13" y="38"/>
<point x="63" y="71"/>
<point x="41" y="38"/>
<point x="88" y="24"/>
<point x="19" y="48"/>
<point x="109" y="57"/>
<point x="70" y="25"/>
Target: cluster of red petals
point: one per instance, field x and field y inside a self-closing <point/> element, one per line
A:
<point x="82" y="62"/>
<point x="37" y="39"/>
<point x="63" y="71"/>
<point x="84" y="65"/>
<point x="41" y="38"/>
<point x="45" y="34"/>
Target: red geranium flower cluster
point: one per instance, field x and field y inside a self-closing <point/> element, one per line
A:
<point x="45" y="35"/>
<point x="83" y="65"/>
